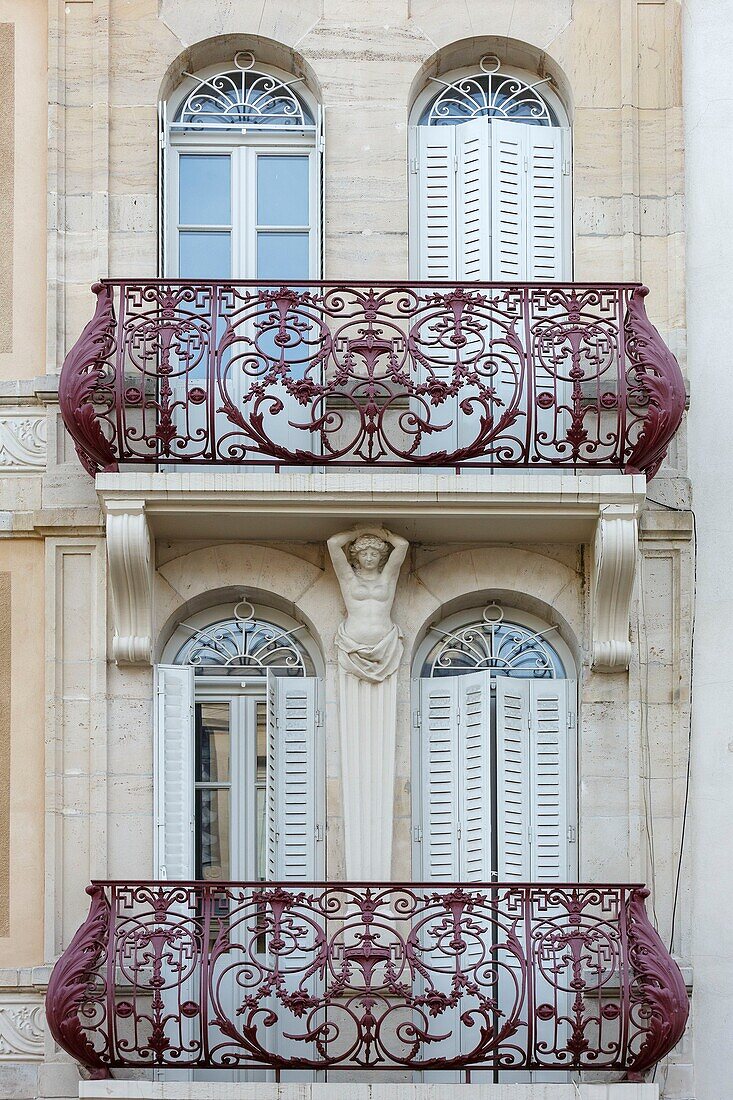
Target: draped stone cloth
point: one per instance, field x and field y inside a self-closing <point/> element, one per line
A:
<point x="369" y="662"/>
<point x="368" y="710"/>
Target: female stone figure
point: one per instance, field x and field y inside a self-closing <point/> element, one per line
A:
<point x="367" y="563"/>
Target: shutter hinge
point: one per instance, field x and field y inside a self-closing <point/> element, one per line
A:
<point x="416" y="719"/>
<point x="459" y="830"/>
<point x="571" y="720"/>
<point x="572" y="834"/>
<point x="566" y="167"/>
<point x="319" y="832"/>
<point x="321" y="143"/>
<point x="161" y="138"/>
<point x="455" y="164"/>
<point x="319" y="717"/>
<point x="526" y="164"/>
<point x="417" y="834"/>
<point x="413" y="165"/>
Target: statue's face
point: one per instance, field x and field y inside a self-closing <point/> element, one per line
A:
<point x="368" y="557"/>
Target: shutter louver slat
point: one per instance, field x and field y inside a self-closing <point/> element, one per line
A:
<point x="175" y="733"/>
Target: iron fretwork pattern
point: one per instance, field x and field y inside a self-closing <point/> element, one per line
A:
<point x="519" y="377"/>
<point x="433" y="976"/>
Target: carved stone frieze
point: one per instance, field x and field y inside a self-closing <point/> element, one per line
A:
<point x="22" y="441"/>
<point x="616" y="546"/>
<point x="22" y="1027"/>
<point x="130" y="562"/>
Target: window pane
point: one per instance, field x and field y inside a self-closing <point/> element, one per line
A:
<point x="204" y="186"/>
<point x="282" y="190"/>
<point x="282" y="256"/>
<point x="212" y="834"/>
<point x="212" y="742"/>
<point x="204" y="255"/>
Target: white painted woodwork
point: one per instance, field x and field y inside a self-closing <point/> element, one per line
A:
<point x="174" y="754"/>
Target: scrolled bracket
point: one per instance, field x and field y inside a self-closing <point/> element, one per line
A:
<point x="616" y="547"/>
<point x="655" y="379"/>
<point x="73" y="987"/>
<point x="658" y="992"/>
<point x="80" y="376"/>
<point x="130" y="564"/>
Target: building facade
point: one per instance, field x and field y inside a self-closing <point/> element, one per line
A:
<point x="354" y="532"/>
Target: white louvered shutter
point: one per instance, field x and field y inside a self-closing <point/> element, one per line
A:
<point x="292" y="781"/>
<point x="433" y="176"/>
<point x="549" y="769"/>
<point x="508" y="201"/>
<point x="547" y="153"/>
<point x="474" y="755"/>
<point x="473" y="200"/>
<point x="512" y="779"/>
<point x="174" y="772"/>
<point x="439" y="767"/>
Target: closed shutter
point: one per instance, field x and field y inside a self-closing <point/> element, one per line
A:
<point x="508" y="202"/>
<point x="439" y="768"/>
<point x="473" y="195"/>
<point x="474" y="734"/>
<point x="174" y="772"/>
<point x="534" y="805"/>
<point x="512" y="779"/>
<point x="549" y="769"/>
<point x="293" y="798"/>
<point x="548" y="149"/>
<point x="433" y="170"/>
<point x="456" y="778"/>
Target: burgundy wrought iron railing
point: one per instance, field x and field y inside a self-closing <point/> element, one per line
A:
<point x="397" y="374"/>
<point x="340" y="976"/>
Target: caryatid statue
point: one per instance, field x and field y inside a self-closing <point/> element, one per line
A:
<point x="367" y="562"/>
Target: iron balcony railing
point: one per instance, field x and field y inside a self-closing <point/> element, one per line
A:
<point x="522" y="376"/>
<point x="372" y="977"/>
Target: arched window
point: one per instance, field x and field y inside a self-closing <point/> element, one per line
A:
<point x="490" y="187"/>
<point x="241" y="176"/>
<point x="239" y="760"/>
<point x="494" y="795"/>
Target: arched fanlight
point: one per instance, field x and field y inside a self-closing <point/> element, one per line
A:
<point x="490" y="93"/>
<point x="245" y="642"/>
<point x="243" y="97"/>
<point x="495" y="645"/>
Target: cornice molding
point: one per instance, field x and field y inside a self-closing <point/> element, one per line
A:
<point x="616" y="548"/>
<point x="130" y="561"/>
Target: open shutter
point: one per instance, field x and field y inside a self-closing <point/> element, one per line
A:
<point x="433" y="176"/>
<point x="439" y="777"/>
<point x="162" y="185"/>
<point x="549" y="750"/>
<point x="548" y="150"/>
<point x="174" y="772"/>
<point x="292" y="781"/>
<point x="473" y="199"/>
<point x="512" y="779"/>
<point x="474" y="753"/>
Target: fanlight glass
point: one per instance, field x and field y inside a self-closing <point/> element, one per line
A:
<point x="496" y="645"/>
<point x="243" y="97"/>
<point x="491" y="93"/>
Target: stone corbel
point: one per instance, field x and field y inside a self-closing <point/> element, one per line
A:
<point x="130" y="563"/>
<point x="616" y="547"/>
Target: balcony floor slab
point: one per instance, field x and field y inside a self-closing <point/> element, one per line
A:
<point x="208" y="1090"/>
